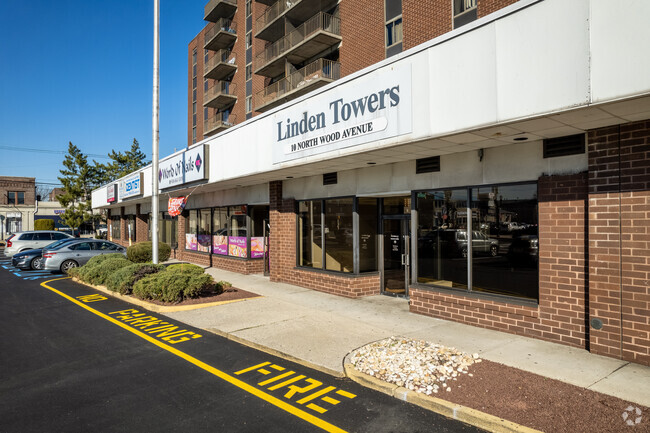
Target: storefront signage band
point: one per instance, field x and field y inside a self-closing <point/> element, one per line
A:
<point x="375" y="108"/>
<point x="131" y="186"/>
<point x="188" y="166"/>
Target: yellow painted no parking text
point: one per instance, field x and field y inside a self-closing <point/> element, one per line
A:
<point x="216" y="372"/>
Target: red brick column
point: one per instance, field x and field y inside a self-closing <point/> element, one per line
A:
<point x="141" y="225"/>
<point x="619" y="240"/>
<point x="563" y="259"/>
<point x="282" y="239"/>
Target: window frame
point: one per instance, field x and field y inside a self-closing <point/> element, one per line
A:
<point x="391" y="30"/>
<point x="470" y="257"/>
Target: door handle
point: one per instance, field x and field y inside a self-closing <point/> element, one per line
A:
<point x="403" y="259"/>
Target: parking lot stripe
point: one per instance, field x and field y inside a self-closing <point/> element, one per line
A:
<point x="220" y="374"/>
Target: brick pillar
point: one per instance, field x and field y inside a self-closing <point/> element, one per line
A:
<point x="282" y="241"/>
<point x="562" y="259"/>
<point x="181" y="236"/>
<point x="619" y="240"/>
<point x="124" y="235"/>
<point x="141" y="225"/>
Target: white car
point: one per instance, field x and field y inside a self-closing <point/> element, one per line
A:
<point x="22" y="241"/>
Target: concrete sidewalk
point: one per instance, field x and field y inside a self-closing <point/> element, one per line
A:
<point x="321" y="329"/>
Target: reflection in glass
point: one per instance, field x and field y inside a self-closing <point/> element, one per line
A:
<point x="204" y="237"/>
<point x="442" y="237"/>
<point x="311" y="242"/>
<point x="191" y="240"/>
<point x="506" y="220"/>
<point x="338" y="234"/>
<point x="368" y="234"/>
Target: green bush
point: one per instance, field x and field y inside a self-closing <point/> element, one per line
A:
<point x="123" y="279"/>
<point x="44" y="224"/>
<point x="222" y="286"/>
<point x="141" y="252"/>
<point x="185" y="268"/>
<point x="100" y="259"/>
<point x="172" y="286"/>
<point x="98" y="274"/>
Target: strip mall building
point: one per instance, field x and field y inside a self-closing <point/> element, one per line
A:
<point x="498" y="176"/>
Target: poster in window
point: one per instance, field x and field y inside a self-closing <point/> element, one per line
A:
<point x="191" y="242"/>
<point x="257" y="248"/>
<point x="220" y="245"/>
<point x="204" y="243"/>
<point x="237" y="246"/>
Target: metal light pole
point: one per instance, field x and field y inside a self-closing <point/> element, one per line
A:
<point x="156" y="109"/>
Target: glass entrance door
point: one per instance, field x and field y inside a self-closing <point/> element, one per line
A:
<point x="396" y="256"/>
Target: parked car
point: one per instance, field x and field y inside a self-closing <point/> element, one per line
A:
<point x="72" y="254"/>
<point x="454" y="242"/>
<point x="23" y="241"/>
<point x="524" y="251"/>
<point x="33" y="259"/>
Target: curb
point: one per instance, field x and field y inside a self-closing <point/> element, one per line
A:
<point x="160" y="308"/>
<point x="443" y="407"/>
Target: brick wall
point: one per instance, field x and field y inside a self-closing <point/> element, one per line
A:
<point x="141" y="225"/>
<point x="486" y="7"/>
<point x="560" y="316"/>
<point x="18" y="184"/>
<point x="362" y="30"/>
<point x="425" y="20"/>
<point x="619" y="240"/>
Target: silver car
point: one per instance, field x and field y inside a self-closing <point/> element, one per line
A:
<point x="77" y="253"/>
<point x="23" y="241"/>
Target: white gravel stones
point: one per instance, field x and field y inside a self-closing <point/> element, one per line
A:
<point x="413" y="364"/>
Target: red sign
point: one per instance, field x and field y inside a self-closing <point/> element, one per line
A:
<point x="176" y="205"/>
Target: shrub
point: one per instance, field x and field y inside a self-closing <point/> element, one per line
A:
<point x="123" y="279"/>
<point x="98" y="274"/>
<point x="142" y="252"/>
<point x="171" y="286"/>
<point x="44" y="224"/>
<point x="99" y="259"/>
<point x="185" y="268"/>
<point x="222" y="286"/>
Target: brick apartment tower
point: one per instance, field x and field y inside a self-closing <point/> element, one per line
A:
<point x="256" y="55"/>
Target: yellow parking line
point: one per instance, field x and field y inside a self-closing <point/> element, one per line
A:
<point x="228" y="378"/>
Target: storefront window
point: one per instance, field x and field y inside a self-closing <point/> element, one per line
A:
<point x="116" y="232"/>
<point x="504" y="239"/>
<point x="338" y="234"/>
<point x="130" y="227"/>
<point x="204" y="233"/>
<point x="442" y="240"/>
<point x="237" y="234"/>
<point x="368" y="230"/>
<point x="311" y="242"/>
<point x="167" y="229"/>
<point x="220" y="231"/>
<point x="259" y="216"/>
<point x="191" y="239"/>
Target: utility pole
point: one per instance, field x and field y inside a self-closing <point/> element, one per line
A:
<point x="156" y="109"/>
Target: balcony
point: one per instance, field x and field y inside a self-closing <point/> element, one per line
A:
<point x="221" y="34"/>
<point x="315" y="35"/>
<point x="270" y="25"/>
<point x="219" y="122"/>
<point x="216" y="9"/>
<point x="222" y="65"/>
<point x="309" y="78"/>
<point x="221" y="95"/>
